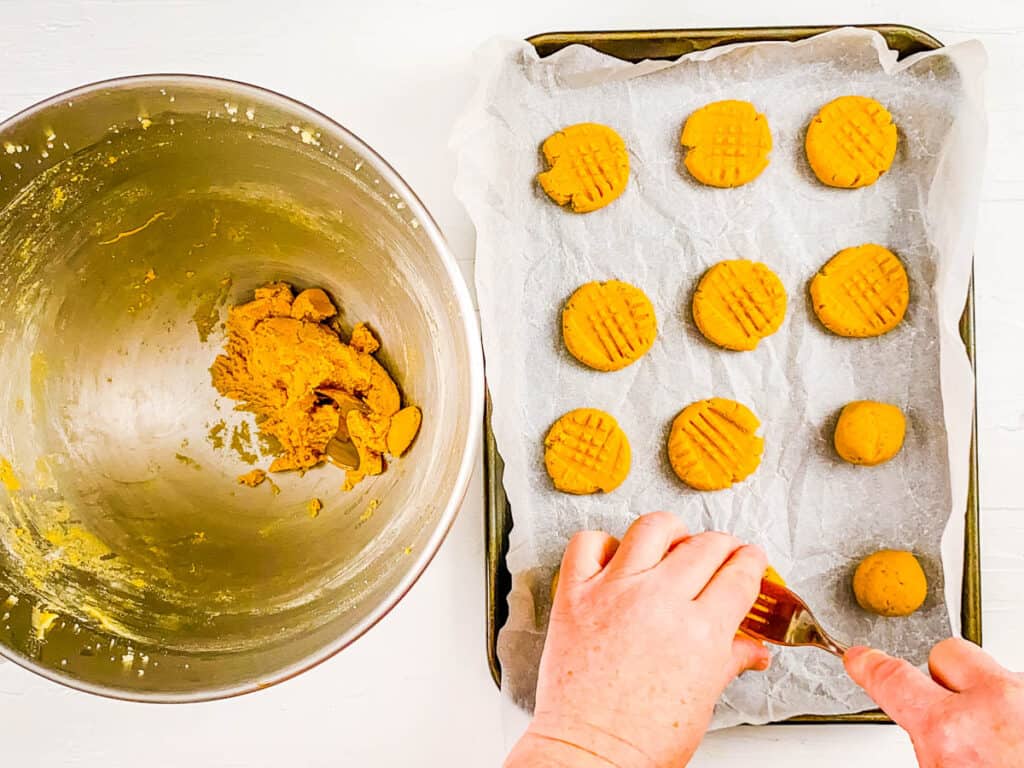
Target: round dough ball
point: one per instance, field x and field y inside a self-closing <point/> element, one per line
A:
<point x="890" y="583"/>
<point x="608" y="326"/>
<point x="585" y="451"/>
<point x="737" y="303"/>
<point x="869" y="433"/>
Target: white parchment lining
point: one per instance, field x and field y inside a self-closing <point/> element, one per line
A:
<point x="814" y="515"/>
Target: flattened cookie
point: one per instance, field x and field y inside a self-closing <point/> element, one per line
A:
<point x="862" y="291"/>
<point x="728" y="143"/>
<point x="738" y="303"/>
<point x="712" y="444"/>
<point x="586" y="451"/>
<point x="608" y="325"/>
<point x="851" y="142"/>
<point x="589" y="166"/>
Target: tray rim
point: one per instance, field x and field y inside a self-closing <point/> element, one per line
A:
<point x="496" y="507"/>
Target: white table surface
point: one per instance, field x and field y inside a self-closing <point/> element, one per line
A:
<point x="416" y="690"/>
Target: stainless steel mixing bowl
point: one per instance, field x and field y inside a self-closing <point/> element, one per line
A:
<point x="132" y="214"/>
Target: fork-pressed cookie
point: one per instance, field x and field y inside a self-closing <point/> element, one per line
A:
<point x="862" y="291"/>
<point x="589" y="166"/>
<point x="737" y="303"/>
<point x="713" y="444"/>
<point x="608" y="325"/>
<point x="727" y="143"/>
<point x="851" y="142"/>
<point x="585" y="451"/>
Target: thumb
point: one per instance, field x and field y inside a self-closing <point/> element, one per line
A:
<point x="748" y="654"/>
<point x="959" y="665"/>
<point x="900" y="689"/>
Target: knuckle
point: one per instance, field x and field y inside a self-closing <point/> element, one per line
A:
<point x="579" y="539"/>
<point x="888" y="670"/>
<point x="717" y="540"/>
<point x="653" y="520"/>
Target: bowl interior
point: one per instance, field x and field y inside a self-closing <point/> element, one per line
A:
<point x="131" y="217"/>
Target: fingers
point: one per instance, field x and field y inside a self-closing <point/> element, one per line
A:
<point x="903" y="691"/>
<point x="748" y="654"/>
<point x="646" y="542"/>
<point x="586" y="556"/>
<point x="958" y="664"/>
<point x="735" y="586"/>
<point x="698" y="558"/>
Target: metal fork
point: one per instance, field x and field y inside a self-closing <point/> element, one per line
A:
<point x="779" y="616"/>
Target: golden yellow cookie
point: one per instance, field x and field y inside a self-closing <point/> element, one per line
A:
<point x="589" y="166"/>
<point x="890" y="583"/>
<point x="712" y="444"/>
<point x="608" y="325"/>
<point x="728" y="143"/>
<point x="861" y="291"/>
<point x="585" y="451"/>
<point x="869" y="433"/>
<point x="738" y="303"/>
<point x="851" y="142"/>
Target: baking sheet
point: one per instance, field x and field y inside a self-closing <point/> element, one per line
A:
<point x="814" y="515"/>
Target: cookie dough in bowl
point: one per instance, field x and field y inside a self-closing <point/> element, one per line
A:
<point x="136" y="214"/>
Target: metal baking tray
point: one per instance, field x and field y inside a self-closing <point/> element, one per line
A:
<point x="670" y="44"/>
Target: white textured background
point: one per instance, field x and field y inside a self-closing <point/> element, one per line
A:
<point x="416" y="690"/>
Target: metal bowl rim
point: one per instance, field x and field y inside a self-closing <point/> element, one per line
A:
<point x="476" y="404"/>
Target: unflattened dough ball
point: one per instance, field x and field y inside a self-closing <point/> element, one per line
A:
<point x="851" y="142"/>
<point x="589" y="166"/>
<point x="862" y="291"/>
<point x="585" y="451"/>
<point x="608" y="325"/>
<point x="712" y="444"/>
<point x="728" y="143"/>
<point x="737" y="303"/>
<point x="890" y="583"/>
<point x="869" y="433"/>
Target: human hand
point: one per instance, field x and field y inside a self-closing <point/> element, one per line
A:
<point x="641" y="643"/>
<point x="969" y="713"/>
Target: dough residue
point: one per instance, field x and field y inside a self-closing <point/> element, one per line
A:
<point x="285" y="364"/>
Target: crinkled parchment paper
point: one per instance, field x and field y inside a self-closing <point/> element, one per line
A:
<point x="815" y="515"/>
